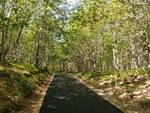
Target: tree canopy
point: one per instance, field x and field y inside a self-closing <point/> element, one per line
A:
<point x="95" y="35"/>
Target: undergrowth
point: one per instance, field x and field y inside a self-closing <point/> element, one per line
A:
<point x="17" y="81"/>
<point x="106" y="75"/>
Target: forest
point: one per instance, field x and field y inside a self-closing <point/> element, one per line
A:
<point x="104" y="43"/>
<point x="101" y="35"/>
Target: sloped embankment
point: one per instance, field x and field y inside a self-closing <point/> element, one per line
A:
<point x="17" y="83"/>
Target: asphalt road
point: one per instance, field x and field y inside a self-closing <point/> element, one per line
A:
<point x="68" y="95"/>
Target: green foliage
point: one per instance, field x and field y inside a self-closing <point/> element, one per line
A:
<point x="2" y="68"/>
<point x="107" y="73"/>
<point x="18" y="66"/>
<point x="29" y="67"/>
<point x="133" y="72"/>
<point x="104" y="36"/>
<point x="27" y="84"/>
<point x="88" y="75"/>
<point x="100" y="35"/>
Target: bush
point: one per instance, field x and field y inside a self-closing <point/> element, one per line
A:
<point x="90" y="74"/>
<point x="27" y="67"/>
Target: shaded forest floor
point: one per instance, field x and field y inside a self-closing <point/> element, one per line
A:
<point x="129" y="91"/>
<point x="33" y="103"/>
<point x="22" y="88"/>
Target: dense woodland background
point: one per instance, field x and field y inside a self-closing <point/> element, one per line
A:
<point x="97" y="35"/>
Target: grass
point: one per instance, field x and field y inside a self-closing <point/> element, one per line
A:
<point x="15" y="86"/>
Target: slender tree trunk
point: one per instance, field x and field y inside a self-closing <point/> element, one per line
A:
<point x="37" y="55"/>
<point x="115" y="59"/>
<point x="18" y="40"/>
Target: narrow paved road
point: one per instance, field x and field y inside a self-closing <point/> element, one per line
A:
<point x="67" y="95"/>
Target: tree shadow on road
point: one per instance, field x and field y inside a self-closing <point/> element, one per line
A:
<point x="68" y="95"/>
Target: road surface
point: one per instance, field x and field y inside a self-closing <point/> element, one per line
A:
<point x="68" y="95"/>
